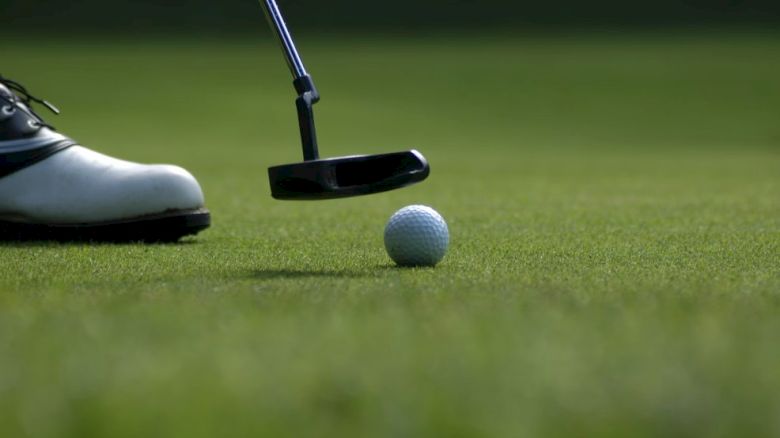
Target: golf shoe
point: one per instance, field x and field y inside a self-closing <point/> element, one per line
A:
<point x="51" y="188"/>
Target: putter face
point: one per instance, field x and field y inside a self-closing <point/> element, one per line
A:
<point x="347" y="176"/>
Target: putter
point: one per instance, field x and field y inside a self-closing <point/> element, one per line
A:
<point x="331" y="178"/>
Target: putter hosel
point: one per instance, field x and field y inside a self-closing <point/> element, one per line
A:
<point x="307" y="96"/>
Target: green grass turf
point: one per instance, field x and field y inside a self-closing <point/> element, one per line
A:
<point x="614" y="207"/>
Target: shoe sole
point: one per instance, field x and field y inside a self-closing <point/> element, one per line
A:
<point x="164" y="227"/>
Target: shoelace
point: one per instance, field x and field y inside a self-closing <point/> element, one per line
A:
<point x="27" y="97"/>
<point x="20" y="93"/>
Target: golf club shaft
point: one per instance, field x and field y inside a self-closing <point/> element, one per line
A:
<point x="276" y="21"/>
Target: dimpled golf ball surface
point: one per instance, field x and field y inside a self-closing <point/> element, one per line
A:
<point x="416" y="236"/>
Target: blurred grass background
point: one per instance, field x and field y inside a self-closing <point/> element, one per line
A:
<point x="398" y="17"/>
<point x="613" y="201"/>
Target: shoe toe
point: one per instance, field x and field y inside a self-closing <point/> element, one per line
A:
<point x="158" y="188"/>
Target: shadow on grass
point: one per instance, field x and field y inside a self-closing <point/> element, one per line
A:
<point x="273" y="274"/>
<point x="369" y="272"/>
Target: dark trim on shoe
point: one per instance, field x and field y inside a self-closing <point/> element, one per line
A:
<point x="163" y="227"/>
<point x="10" y="162"/>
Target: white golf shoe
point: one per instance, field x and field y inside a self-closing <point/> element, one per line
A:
<point x="53" y="189"/>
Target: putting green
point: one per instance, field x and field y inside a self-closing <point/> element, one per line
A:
<point x="614" y="210"/>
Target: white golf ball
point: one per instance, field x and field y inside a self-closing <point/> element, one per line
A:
<point x="416" y="235"/>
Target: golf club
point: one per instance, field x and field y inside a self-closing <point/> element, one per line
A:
<point x="330" y="178"/>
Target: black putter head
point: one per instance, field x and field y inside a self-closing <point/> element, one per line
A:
<point x="342" y="177"/>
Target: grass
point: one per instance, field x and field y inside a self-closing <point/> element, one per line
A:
<point x="614" y="207"/>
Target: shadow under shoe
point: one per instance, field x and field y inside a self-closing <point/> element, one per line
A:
<point x="165" y="227"/>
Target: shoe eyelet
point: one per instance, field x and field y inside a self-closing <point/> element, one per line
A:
<point x="33" y="124"/>
<point x="8" y="110"/>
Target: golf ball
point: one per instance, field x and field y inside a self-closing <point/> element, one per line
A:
<point x="416" y="235"/>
